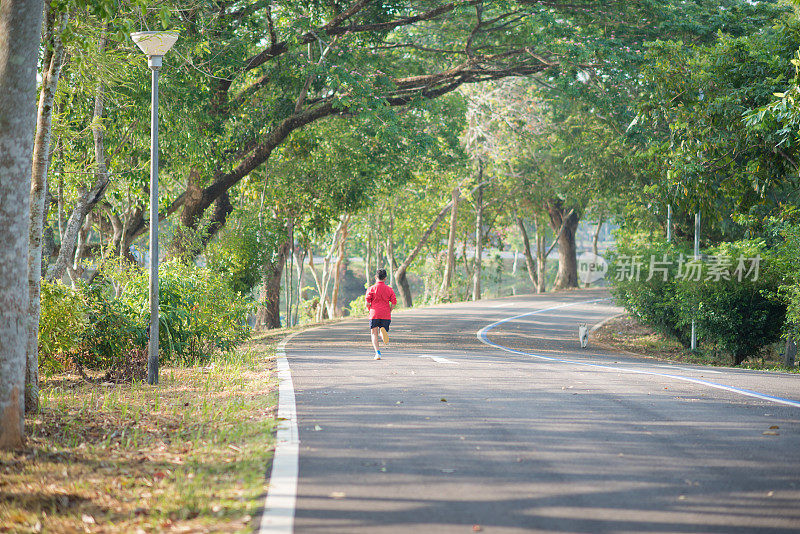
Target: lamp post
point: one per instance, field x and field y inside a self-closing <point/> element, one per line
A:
<point x="154" y="45"/>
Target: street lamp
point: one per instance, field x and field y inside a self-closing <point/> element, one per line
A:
<point x="155" y="45"/>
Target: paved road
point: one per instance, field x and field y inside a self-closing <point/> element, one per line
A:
<point x="448" y="432"/>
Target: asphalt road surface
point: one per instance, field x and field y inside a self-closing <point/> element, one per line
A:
<point x="489" y="417"/>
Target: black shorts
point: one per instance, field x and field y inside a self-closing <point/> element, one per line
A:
<point x="378" y="323"/>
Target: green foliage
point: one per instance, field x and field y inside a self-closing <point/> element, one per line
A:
<point x="733" y="306"/>
<point x="357" y="307"/>
<point x="61" y="324"/>
<point x="112" y="333"/>
<point x="239" y="252"/>
<point x="785" y="255"/>
<point x="199" y="312"/>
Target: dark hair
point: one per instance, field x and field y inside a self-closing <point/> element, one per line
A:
<point x="381" y="274"/>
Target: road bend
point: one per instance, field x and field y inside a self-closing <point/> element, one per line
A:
<point x="488" y="416"/>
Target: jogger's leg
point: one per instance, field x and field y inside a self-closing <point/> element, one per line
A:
<point x="375" y="335"/>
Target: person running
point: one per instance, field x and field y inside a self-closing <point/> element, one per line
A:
<point x="380" y="302"/>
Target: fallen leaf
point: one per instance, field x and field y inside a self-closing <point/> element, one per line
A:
<point x="443" y="399"/>
<point x="774" y="427"/>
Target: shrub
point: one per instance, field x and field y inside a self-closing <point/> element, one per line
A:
<point x="61" y="325"/>
<point x="357" y="307"/>
<point x="111" y="334"/>
<point x="198" y="311"/>
<point x="733" y="309"/>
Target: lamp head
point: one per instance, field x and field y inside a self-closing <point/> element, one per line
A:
<point x="154" y="43"/>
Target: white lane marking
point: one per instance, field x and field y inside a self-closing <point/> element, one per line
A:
<point x="689" y="369"/>
<point x="437" y="359"/>
<point x="746" y="392"/>
<point x="504" y="304"/>
<point x="279" y="505"/>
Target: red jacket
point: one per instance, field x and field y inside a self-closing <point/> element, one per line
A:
<point x="378" y="298"/>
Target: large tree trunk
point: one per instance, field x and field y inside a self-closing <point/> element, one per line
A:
<point x="53" y="61"/>
<point x="268" y="315"/>
<point x="20" y="35"/>
<point x="450" y="263"/>
<point x="478" y="265"/>
<point x="565" y="223"/>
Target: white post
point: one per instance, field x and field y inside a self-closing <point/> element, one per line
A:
<point x="154" y="44"/>
<point x="152" y="351"/>
<point x="696" y="257"/>
<point x="669" y="223"/>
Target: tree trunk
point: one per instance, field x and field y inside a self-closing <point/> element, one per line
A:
<point x="565" y="222"/>
<point x="526" y="247"/>
<point x="596" y="235"/>
<point x="790" y="352"/>
<point x="477" y="266"/>
<point x="20" y="34"/>
<point x="339" y="268"/>
<point x="390" y="259"/>
<point x="268" y="315"/>
<point x="450" y="263"/>
<point x="53" y="61"/>
<point x="541" y="259"/>
<point x="299" y="257"/>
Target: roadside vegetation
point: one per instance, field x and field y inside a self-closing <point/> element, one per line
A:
<point x="122" y="456"/>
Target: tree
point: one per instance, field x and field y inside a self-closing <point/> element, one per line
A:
<point x="20" y="35"/>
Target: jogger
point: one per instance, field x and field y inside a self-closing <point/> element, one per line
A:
<point x="380" y="302"/>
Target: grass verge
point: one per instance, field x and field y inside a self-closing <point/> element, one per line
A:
<point x="188" y="455"/>
<point x="627" y="334"/>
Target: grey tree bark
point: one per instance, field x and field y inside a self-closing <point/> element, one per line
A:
<point x="541" y="258"/>
<point x="54" y="23"/>
<point x="450" y="262"/>
<point x="477" y="267"/>
<point x="565" y="223"/>
<point x="268" y="315"/>
<point x="20" y="35"/>
<point x="526" y="247"/>
<point x="338" y="270"/>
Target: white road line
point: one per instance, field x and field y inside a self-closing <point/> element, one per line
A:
<point x="482" y="337"/>
<point x="279" y="505"/>
<point x="437" y="359"/>
<point x="689" y="369"/>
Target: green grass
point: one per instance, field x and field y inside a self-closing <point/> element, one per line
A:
<point x="189" y="454"/>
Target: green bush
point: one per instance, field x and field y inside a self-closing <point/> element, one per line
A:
<point x="357" y="307"/>
<point x="113" y="332"/>
<point x="61" y="324"/>
<point x="735" y="310"/>
<point x="198" y="311"/>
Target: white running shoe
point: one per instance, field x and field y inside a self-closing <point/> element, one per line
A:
<point x="377" y="356"/>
